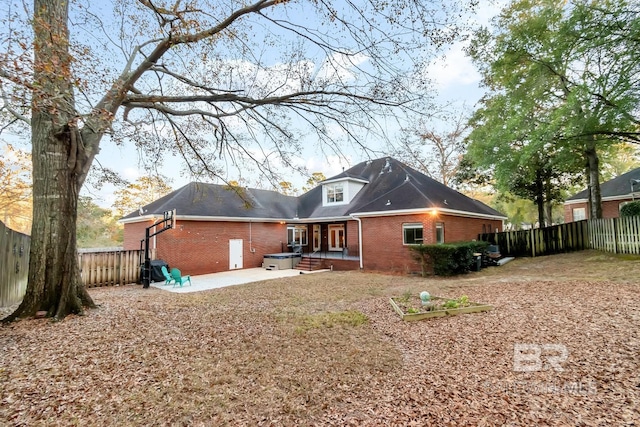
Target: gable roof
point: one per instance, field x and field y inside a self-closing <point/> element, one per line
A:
<point x="200" y="200"/>
<point x="390" y="187"/>
<point x="616" y="188"/>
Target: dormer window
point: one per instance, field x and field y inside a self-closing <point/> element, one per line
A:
<point x="341" y="192"/>
<point x="335" y="193"/>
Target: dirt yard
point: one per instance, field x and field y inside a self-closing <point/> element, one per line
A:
<point x="327" y="349"/>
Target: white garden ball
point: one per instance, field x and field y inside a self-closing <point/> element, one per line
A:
<point x="424" y="296"/>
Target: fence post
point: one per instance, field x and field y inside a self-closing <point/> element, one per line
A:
<point x="533" y="243"/>
<point x="615" y="235"/>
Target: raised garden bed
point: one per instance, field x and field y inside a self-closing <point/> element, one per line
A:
<point x="414" y="308"/>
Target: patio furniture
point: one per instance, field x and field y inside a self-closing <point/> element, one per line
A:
<point x="492" y="255"/>
<point x="179" y="278"/>
<point x="167" y="276"/>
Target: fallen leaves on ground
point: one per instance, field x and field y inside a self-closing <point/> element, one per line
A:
<point x="328" y="349"/>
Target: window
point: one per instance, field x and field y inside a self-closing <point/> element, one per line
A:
<point x="579" y="214"/>
<point x="439" y="232"/>
<point x="297" y="234"/>
<point x="412" y="234"/>
<point x="335" y="193"/>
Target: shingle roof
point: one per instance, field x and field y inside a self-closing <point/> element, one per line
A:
<point x="618" y="186"/>
<point x="212" y="200"/>
<point x="393" y="186"/>
<point x="390" y="186"/>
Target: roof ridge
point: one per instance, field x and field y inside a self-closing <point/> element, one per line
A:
<point x="411" y="181"/>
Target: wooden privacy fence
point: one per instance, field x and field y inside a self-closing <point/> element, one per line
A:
<point x="109" y="267"/>
<point x="569" y="237"/>
<point x="14" y="265"/>
<point x="106" y="267"/>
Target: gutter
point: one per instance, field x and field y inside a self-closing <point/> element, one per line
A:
<point x="359" y="239"/>
<point x="446" y="211"/>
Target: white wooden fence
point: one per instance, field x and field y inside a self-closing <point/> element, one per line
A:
<point x="617" y="235"/>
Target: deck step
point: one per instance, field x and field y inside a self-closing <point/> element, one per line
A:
<point x="309" y="264"/>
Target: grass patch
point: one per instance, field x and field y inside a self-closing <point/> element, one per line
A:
<point x="350" y="318"/>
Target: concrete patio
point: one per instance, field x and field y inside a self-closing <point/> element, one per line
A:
<point x="231" y="278"/>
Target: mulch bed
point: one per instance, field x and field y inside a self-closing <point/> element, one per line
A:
<point x="296" y="352"/>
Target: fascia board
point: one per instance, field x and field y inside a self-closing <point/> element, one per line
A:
<point x="427" y="210"/>
<point x="344" y="178"/>
<point x="179" y="218"/>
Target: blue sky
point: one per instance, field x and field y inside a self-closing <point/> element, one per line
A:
<point x="454" y="78"/>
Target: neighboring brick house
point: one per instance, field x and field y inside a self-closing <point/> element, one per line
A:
<point x="366" y="217"/>
<point x="615" y="194"/>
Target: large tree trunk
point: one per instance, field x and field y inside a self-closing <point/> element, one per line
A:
<point x="548" y="202"/>
<point x="593" y="170"/>
<point x="539" y="198"/>
<point x="58" y="158"/>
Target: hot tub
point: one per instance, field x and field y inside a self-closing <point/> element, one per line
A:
<point x="281" y="261"/>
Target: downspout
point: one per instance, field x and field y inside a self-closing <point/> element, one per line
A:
<point x="359" y="239"/>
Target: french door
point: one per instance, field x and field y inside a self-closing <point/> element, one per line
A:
<point x="336" y="237"/>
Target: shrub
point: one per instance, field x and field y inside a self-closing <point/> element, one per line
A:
<point x="630" y="209"/>
<point x="448" y="259"/>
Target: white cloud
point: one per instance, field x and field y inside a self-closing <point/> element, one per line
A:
<point x="130" y="173"/>
<point x="339" y="67"/>
<point x="454" y="68"/>
<point x="333" y="165"/>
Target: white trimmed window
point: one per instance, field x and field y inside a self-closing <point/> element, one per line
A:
<point x="439" y="232"/>
<point x="297" y="235"/>
<point x="579" y="214"/>
<point x="335" y="192"/>
<point x="412" y="234"/>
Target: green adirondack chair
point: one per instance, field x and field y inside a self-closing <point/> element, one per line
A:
<point x="179" y="278"/>
<point x="167" y="277"/>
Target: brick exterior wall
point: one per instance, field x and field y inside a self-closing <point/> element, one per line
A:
<point x="610" y="209"/>
<point x="383" y="247"/>
<point x="200" y="247"/>
<point x="568" y="211"/>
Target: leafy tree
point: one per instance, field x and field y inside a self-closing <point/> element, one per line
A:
<point x="97" y="227"/>
<point x="15" y="189"/>
<point x="622" y="159"/>
<point x="313" y="181"/>
<point x="137" y="194"/>
<point x="287" y="188"/>
<point x="563" y="87"/>
<point x="203" y="80"/>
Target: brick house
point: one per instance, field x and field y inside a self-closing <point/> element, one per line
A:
<point x="615" y="194"/>
<point x="364" y="218"/>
